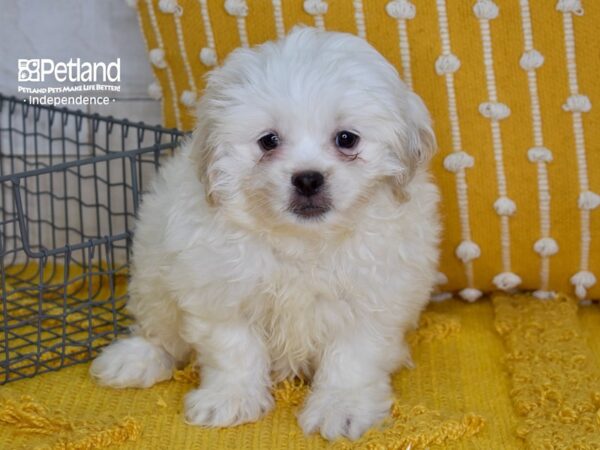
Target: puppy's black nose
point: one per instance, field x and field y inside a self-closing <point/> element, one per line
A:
<point x="308" y="182"/>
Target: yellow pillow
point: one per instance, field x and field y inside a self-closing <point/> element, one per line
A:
<point x="510" y="85"/>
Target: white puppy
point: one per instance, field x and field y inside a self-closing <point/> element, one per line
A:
<point x="295" y="234"/>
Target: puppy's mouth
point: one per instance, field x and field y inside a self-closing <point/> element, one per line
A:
<point x="310" y="211"/>
<point x="310" y="207"/>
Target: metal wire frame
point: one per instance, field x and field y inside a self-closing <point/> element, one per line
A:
<point x="70" y="186"/>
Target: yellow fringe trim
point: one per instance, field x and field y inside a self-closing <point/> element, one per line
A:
<point x="31" y="417"/>
<point x="188" y="375"/>
<point x="555" y="381"/>
<point x="415" y="427"/>
<point x="127" y="430"/>
<point x="291" y="392"/>
<point x="27" y="416"/>
<point x="433" y="326"/>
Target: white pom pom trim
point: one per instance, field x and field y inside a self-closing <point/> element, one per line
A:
<point x="188" y="98"/>
<point x="157" y="58"/>
<point x="447" y="64"/>
<point x="544" y="295"/>
<point x="237" y="8"/>
<point x="315" y="7"/>
<point x="531" y="59"/>
<point x="208" y="56"/>
<point x="457" y="161"/>
<point x="504" y="206"/>
<point x="546" y="247"/>
<point x="507" y="280"/>
<point x="494" y="110"/>
<point x="583" y="281"/>
<point x="578" y="103"/>
<point x="170" y="7"/>
<point x="485" y="9"/>
<point x="401" y="9"/>
<point x="539" y="154"/>
<point x="588" y="200"/>
<point x="468" y="251"/>
<point x="570" y="6"/>
<point x="155" y="91"/>
<point x="470" y="294"/>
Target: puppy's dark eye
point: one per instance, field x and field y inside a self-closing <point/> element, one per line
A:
<point x="269" y="142"/>
<point x="346" y="140"/>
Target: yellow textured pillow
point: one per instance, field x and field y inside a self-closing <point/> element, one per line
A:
<point x="510" y="85"/>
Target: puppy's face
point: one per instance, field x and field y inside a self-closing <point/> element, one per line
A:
<point x="303" y="131"/>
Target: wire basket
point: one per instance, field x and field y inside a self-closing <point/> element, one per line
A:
<point x="70" y="186"/>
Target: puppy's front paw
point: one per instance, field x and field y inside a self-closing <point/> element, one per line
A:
<point x="345" y="412"/>
<point x="226" y="405"/>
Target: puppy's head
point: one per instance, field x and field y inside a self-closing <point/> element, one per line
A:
<point x="303" y="131"/>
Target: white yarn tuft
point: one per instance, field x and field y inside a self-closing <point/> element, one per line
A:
<point x="588" y="200"/>
<point x="507" y="280"/>
<point x="441" y="278"/>
<point x="578" y="103"/>
<point x="485" y="9"/>
<point x="457" y="161"/>
<point x="237" y="8"/>
<point x="208" y="56"/>
<point x="570" y="6"/>
<point x="494" y="110"/>
<point x="447" y="64"/>
<point x="157" y="58"/>
<point x="468" y="251"/>
<point x="544" y="295"/>
<point x="155" y="91"/>
<point x="131" y="3"/>
<point x="531" y="59"/>
<point x="546" y="246"/>
<point x="470" y="294"/>
<point x="315" y="7"/>
<point x="539" y="154"/>
<point x="582" y="281"/>
<point x="504" y="206"/>
<point x="188" y="98"/>
<point x="401" y="9"/>
<point x="170" y="7"/>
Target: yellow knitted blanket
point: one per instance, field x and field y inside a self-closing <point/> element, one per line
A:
<point x="512" y="372"/>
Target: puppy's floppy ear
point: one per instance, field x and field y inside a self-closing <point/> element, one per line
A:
<point x="420" y="140"/>
<point x="416" y="141"/>
<point x="203" y="151"/>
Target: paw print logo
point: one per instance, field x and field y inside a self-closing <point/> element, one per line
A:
<point x="29" y="69"/>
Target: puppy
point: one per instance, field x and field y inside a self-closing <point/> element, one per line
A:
<point x="295" y="234"/>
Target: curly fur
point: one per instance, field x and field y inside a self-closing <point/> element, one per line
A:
<point x="226" y="273"/>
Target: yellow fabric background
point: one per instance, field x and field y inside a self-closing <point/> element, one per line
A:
<point x="535" y="384"/>
<point x="511" y="80"/>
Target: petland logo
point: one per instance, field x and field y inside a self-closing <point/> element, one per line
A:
<point x="74" y="71"/>
<point x="76" y="81"/>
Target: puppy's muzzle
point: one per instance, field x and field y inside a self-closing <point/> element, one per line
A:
<point x="310" y="198"/>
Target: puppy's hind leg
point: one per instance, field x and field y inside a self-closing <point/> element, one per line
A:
<point x="149" y="355"/>
<point x="132" y="362"/>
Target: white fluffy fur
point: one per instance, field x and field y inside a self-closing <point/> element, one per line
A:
<point x="224" y="272"/>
